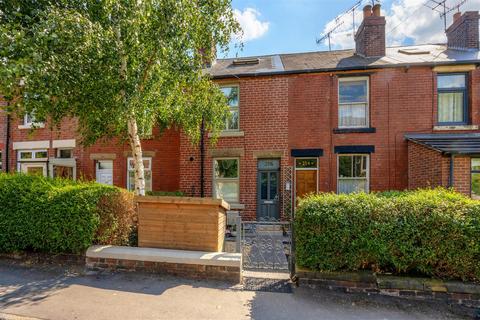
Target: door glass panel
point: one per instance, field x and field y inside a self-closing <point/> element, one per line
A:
<point x="35" y="171"/>
<point x="63" y="172"/>
<point x="264" y="185"/>
<point x="273" y="185"/>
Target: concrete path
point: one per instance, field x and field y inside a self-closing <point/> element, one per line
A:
<point x="53" y="292"/>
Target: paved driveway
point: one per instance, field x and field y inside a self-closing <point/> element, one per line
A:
<point x="67" y="293"/>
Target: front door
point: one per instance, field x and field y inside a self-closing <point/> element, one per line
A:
<point x="104" y="171"/>
<point x="306" y="171"/>
<point x="268" y="182"/>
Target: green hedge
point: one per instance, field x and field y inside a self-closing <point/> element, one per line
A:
<point x="61" y="216"/>
<point x="424" y="232"/>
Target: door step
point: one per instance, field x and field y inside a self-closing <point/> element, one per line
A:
<point x="266" y="281"/>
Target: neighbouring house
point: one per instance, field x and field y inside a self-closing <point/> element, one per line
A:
<point x="371" y="118"/>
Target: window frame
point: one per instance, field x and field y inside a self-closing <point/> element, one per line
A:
<point x="32" y="123"/>
<point x="367" y="175"/>
<point x="472" y="171"/>
<point x="367" y="112"/>
<point x="464" y="90"/>
<point x="34" y="155"/>
<point x="215" y="179"/>
<point x="148" y="169"/>
<point x="237" y="108"/>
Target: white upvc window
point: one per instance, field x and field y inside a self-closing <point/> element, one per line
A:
<point x="29" y="121"/>
<point x="232" y="94"/>
<point x="226" y="179"/>
<point x="147" y="169"/>
<point x="353" y="102"/>
<point x="32" y="155"/>
<point x="353" y="173"/>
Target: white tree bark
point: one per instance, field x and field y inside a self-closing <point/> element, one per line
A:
<point x="136" y="146"/>
<point x="132" y="127"/>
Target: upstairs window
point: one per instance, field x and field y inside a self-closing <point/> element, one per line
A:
<point x="452" y="99"/>
<point x="231" y="93"/>
<point x="30" y="121"/>
<point x="353" y="102"/>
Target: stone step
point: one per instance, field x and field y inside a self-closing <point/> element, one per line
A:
<point x="266" y="281"/>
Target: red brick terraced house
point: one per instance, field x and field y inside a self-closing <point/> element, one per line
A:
<point x="372" y="118"/>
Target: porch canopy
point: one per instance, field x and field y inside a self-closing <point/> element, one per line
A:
<point x="448" y="143"/>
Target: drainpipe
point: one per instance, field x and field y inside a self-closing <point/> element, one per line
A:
<point x="202" y="156"/>
<point x="450" y="178"/>
<point x="7" y="146"/>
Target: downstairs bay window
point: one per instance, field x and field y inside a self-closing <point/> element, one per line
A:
<point x="353" y="173"/>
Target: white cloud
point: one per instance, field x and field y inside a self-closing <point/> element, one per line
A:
<point x="252" y="27"/>
<point x="405" y="19"/>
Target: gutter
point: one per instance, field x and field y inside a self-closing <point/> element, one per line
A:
<point x="323" y="70"/>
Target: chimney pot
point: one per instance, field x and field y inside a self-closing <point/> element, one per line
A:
<point x="367" y="11"/>
<point x="376" y="10"/>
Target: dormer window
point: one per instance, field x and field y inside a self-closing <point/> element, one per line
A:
<point x="231" y="93"/>
<point x="452" y="99"/>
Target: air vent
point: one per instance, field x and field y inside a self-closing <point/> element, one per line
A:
<point x="413" y="51"/>
<point x="245" y="61"/>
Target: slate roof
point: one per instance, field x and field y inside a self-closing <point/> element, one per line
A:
<point x="452" y="143"/>
<point x="429" y="54"/>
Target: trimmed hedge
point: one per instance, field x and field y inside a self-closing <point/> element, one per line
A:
<point x="61" y="216"/>
<point x="423" y="232"/>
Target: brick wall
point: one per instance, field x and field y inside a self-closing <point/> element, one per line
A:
<point x="164" y="149"/>
<point x="464" y="33"/>
<point x="429" y="168"/>
<point x="264" y="121"/>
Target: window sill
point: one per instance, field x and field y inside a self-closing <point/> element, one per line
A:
<point x="32" y="126"/>
<point x="232" y="133"/>
<point x="354" y="130"/>
<point x="455" y="127"/>
<point x="237" y="206"/>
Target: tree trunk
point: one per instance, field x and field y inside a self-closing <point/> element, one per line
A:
<point x="136" y="147"/>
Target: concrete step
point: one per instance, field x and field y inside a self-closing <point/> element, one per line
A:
<point x="266" y="281"/>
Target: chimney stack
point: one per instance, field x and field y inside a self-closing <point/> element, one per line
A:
<point x="370" y="37"/>
<point x="463" y="32"/>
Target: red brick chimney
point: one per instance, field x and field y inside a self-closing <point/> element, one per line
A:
<point x="370" y="37"/>
<point x="463" y="33"/>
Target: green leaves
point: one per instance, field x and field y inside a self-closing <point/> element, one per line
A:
<point x="67" y="56"/>
<point x="429" y="232"/>
<point x="61" y="216"/>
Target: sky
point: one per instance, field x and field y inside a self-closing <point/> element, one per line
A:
<point x="285" y="26"/>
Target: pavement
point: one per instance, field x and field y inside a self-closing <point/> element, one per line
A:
<point x="68" y="292"/>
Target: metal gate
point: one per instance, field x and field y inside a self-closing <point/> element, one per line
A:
<point x="267" y="246"/>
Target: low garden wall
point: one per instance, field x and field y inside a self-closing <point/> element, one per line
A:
<point x="452" y="292"/>
<point x="188" y="264"/>
<point x="181" y="223"/>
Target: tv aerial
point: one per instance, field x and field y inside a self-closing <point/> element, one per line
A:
<point x="441" y="7"/>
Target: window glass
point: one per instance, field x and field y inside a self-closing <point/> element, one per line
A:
<point x="475" y="183"/>
<point x="65" y="153"/>
<point x="41" y="154"/>
<point x="105" y="164"/>
<point x="226" y="184"/>
<point x="231" y="93"/>
<point x="451" y="81"/>
<point x="451" y="98"/>
<point x="26" y="155"/>
<point x="353" y="91"/>
<point x="352" y="173"/>
<point x="226" y="168"/>
<point x="306" y="163"/>
<point x="475" y="164"/>
<point x="147" y="172"/>
<point x="353" y="103"/>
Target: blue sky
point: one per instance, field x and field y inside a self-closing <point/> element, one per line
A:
<point x="284" y="26"/>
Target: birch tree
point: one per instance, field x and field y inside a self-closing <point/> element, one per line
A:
<point x="121" y="67"/>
